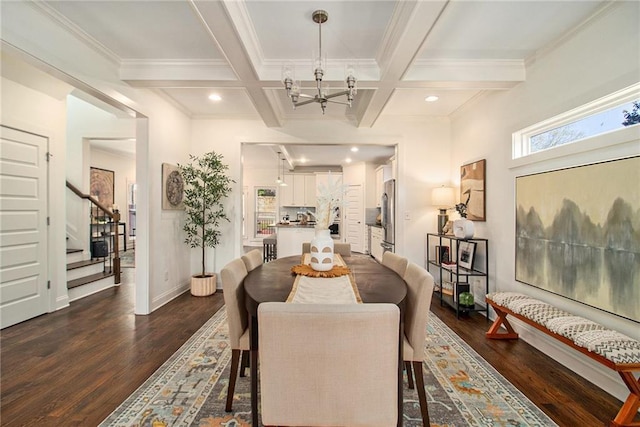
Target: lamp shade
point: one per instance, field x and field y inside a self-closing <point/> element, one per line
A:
<point x="443" y="197"/>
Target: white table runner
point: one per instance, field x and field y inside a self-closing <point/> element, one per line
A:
<point x="321" y="290"/>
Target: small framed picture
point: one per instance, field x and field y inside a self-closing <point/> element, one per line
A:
<point x="466" y="253"/>
<point x="442" y="254"/>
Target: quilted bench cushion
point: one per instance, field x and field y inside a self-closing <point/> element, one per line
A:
<point x="612" y="345"/>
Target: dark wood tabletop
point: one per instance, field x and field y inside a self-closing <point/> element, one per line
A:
<point x="273" y="281"/>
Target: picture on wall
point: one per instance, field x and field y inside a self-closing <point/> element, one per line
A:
<point x="472" y="189"/>
<point x="172" y="187"/>
<point x="101" y="184"/>
<point x="578" y="234"/>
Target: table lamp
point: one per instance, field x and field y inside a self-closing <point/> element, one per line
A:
<point x="443" y="198"/>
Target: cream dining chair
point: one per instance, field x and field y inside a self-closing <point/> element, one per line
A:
<point x="252" y="259"/>
<point x="232" y="276"/>
<point x="418" y="302"/>
<point x="345" y="359"/>
<point x="395" y="262"/>
<point x="343" y="249"/>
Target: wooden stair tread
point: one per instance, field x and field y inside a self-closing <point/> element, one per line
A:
<point x="88" y="279"/>
<point x="80" y="264"/>
<point x="73" y="251"/>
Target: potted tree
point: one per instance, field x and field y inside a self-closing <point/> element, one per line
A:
<point x="206" y="186"/>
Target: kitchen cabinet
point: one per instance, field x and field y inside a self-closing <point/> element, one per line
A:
<point x="309" y="190"/>
<point x="383" y="173"/>
<point x="376" y="243"/>
<point x="291" y="237"/>
<point x="299" y="191"/>
<point x="443" y="253"/>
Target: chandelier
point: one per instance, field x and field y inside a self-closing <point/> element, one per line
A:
<point x="322" y="96"/>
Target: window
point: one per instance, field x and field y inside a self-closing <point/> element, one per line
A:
<point x="609" y="114"/>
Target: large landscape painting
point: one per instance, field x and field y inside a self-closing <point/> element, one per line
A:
<point x="578" y="234"/>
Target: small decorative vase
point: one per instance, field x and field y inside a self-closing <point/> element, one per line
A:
<point x="463" y="228"/>
<point x="322" y="251"/>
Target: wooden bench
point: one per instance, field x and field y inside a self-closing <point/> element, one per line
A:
<point x="610" y="348"/>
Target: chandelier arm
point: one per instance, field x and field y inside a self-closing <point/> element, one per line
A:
<point x="310" y="101"/>
<point x="304" y="95"/>
<point x="333" y="95"/>
<point x="340" y="102"/>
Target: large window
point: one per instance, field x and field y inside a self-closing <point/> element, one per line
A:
<point x="266" y="209"/>
<point x="608" y="114"/>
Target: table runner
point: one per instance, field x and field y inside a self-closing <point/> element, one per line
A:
<point x="320" y="290"/>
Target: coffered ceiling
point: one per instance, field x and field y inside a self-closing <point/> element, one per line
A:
<point x="403" y="51"/>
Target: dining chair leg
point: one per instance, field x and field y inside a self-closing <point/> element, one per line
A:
<point x="407" y="367"/>
<point x="422" y="395"/>
<point x="245" y="362"/>
<point x="235" y="358"/>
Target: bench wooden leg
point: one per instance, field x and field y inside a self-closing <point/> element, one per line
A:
<point x="630" y="407"/>
<point x="494" y="330"/>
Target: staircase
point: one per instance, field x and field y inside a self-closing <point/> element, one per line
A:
<point x="86" y="276"/>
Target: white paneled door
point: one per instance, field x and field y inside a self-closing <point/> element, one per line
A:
<point x="23" y="226"/>
<point x="354" y="218"/>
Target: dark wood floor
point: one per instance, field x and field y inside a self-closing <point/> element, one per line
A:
<point x="75" y="366"/>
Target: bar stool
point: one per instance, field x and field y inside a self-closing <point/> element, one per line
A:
<point x="269" y="249"/>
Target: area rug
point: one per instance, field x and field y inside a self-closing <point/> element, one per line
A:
<point x="190" y="388"/>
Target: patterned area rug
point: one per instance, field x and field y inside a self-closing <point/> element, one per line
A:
<point x="190" y="388"/>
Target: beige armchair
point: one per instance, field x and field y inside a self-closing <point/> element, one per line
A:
<point x="395" y="262"/>
<point x="252" y="259"/>
<point x="345" y="360"/>
<point x="232" y="276"/>
<point x="343" y="249"/>
<point x="418" y="302"/>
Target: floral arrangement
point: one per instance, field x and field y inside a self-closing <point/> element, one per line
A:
<point x="329" y="198"/>
<point x="462" y="209"/>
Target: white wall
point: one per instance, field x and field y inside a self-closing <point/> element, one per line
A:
<point x="601" y="58"/>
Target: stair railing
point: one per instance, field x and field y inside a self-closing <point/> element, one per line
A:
<point x="98" y="225"/>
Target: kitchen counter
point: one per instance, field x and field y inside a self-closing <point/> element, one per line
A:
<point x="294" y="225"/>
<point x="291" y="237"/>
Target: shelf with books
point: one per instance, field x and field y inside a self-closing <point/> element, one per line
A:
<point x="459" y="266"/>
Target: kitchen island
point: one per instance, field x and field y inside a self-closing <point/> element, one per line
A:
<point x="291" y="237"/>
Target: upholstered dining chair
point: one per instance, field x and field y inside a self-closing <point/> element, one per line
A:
<point x="232" y="276"/>
<point x="395" y="262"/>
<point x="343" y="249"/>
<point x="252" y="259"/>
<point x="418" y="302"/>
<point x="345" y="359"/>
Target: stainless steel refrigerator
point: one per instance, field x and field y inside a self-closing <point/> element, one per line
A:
<point x="388" y="210"/>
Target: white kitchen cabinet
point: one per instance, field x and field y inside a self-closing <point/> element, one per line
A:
<point x="376" y="240"/>
<point x="309" y="190"/>
<point x="286" y="192"/>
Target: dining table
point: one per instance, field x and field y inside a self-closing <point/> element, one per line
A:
<point x="273" y="282"/>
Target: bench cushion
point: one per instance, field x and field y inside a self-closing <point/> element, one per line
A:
<point x="612" y="345"/>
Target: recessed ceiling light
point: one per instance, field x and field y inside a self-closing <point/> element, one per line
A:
<point x="348" y="160"/>
<point x="215" y="97"/>
<point x="302" y="160"/>
<point x="354" y="149"/>
<point x="431" y="98"/>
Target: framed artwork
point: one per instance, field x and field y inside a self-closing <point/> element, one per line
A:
<point x="172" y="187"/>
<point x="101" y="183"/>
<point x="466" y="253"/>
<point x="472" y="189"/>
<point x="577" y="234"/>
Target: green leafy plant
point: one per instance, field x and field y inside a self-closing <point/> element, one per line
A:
<point x="206" y="186"/>
<point x="632" y="117"/>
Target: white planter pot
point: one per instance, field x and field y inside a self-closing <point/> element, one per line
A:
<point x="203" y="286"/>
<point x="322" y="251"/>
<point x="463" y="228"/>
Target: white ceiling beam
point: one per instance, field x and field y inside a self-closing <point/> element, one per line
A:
<point x="411" y="24"/>
<point x="218" y="24"/>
